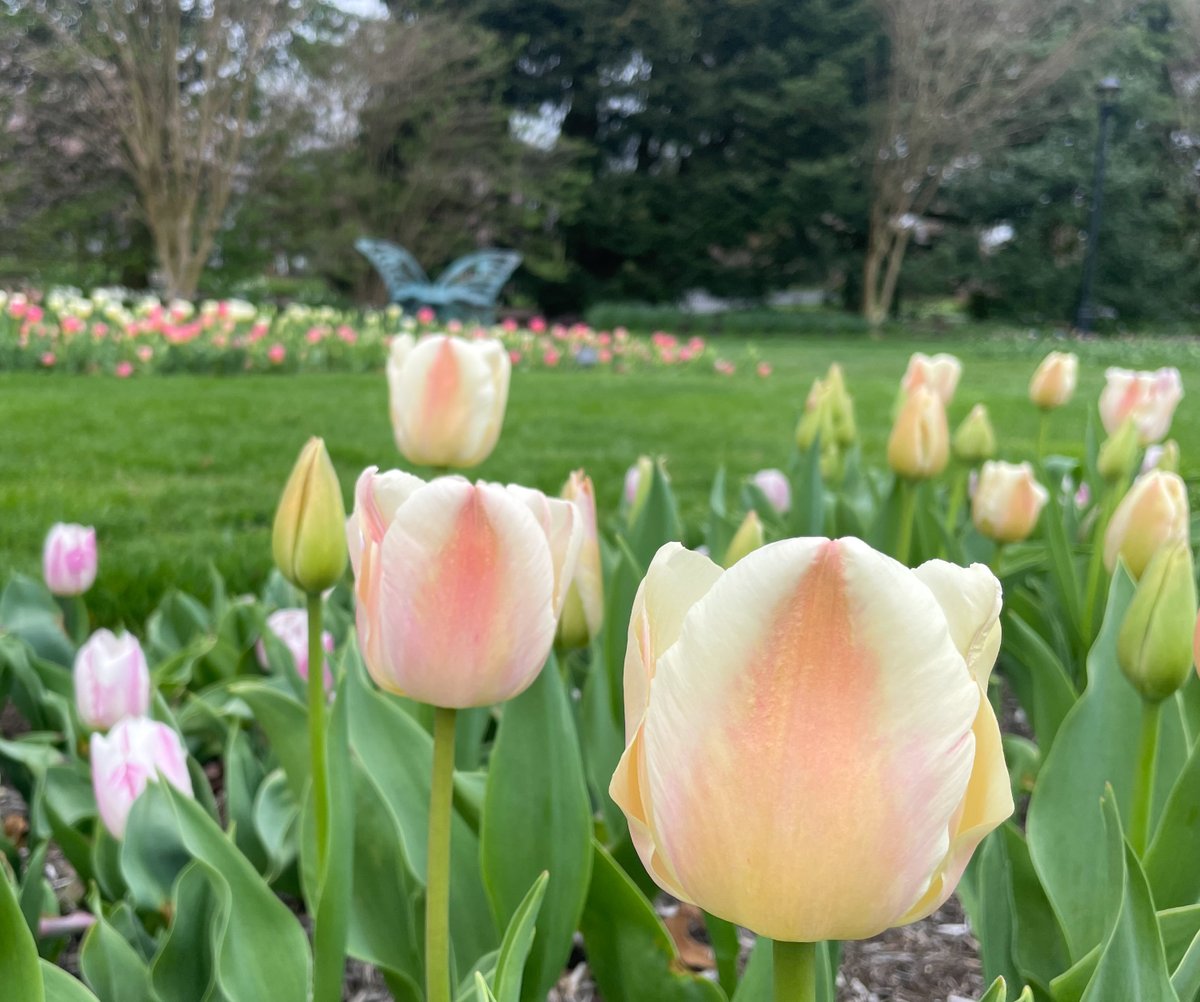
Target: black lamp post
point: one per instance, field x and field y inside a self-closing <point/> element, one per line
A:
<point x="1106" y="91"/>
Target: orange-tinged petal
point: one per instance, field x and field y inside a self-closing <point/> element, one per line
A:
<point x="808" y="742"/>
<point x="464" y="601"/>
<point x="563" y="527"/>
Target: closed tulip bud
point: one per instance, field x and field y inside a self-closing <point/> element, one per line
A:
<point x="1007" y="501"/>
<point x="1149" y="398"/>
<point x="919" y="446"/>
<point x="817" y="421"/>
<point x="69" y="558"/>
<point x="459" y="585"/>
<point x="112" y="680"/>
<point x="448" y="397"/>
<point x="841" y="405"/>
<point x="135" y="752"/>
<point x="583" y="612"/>
<point x="975" y="441"/>
<point x="1118" y="453"/>
<point x="939" y="373"/>
<point x="638" y="479"/>
<point x="1053" y="383"/>
<point x="1152" y="516"/>
<point x="290" y="627"/>
<point x="747" y="539"/>
<point x="810" y="751"/>
<point x="309" y="539"/>
<point x="776" y="489"/>
<point x="1154" y="647"/>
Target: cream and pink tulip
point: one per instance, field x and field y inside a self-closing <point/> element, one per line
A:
<point x="811" y="752"/>
<point x="919" y="446"/>
<point x="448" y="397"/>
<point x="459" y="585"/>
<point x="135" y="752"/>
<point x="1007" y="501"/>
<point x="1152" y="515"/>
<point x="69" y="558"/>
<point x="112" y="680"/>
<point x="939" y="373"/>
<point x="1149" y="398"/>
<point x="1054" y="380"/>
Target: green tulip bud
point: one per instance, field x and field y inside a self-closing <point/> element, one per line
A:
<point x="975" y="441"/>
<point x="638" y="479"/>
<point x="747" y="539"/>
<point x="1154" y="647"/>
<point x="1119" y="453"/>
<point x="841" y="407"/>
<point x="309" y="537"/>
<point x="1168" y="457"/>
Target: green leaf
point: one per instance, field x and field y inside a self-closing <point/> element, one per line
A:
<point x="22" y="973"/>
<point x="1185" y="979"/>
<point x="275" y="821"/>
<point x="537" y="817"/>
<point x="1132" y="964"/>
<point x="629" y="950"/>
<point x="61" y="987"/>
<point x="1062" y="566"/>
<point x="603" y="742"/>
<point x="1172" y="865"/>
<point x="1051" y="694"/>
<point x="481" y="987"/>
<point x="1097" y="745"/>
<point x="185" y="967"/>
<point x="263" y="952"/>
<point x="243" y="775"/>
<point x="1039" y="947"/>
<point x="285" y="721"/>
<point x="28" y="611"/>
<point x="807" y="517"/>
<point x="113" y="968"/>
<point x="518" y="941"/>
<point x="726" y="948"/>
<point x="997" y="993"/>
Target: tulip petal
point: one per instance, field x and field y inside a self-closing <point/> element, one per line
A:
<point x="971" y="599"/>
<point x="564" y="533"/>
<point x="813" y="681"/>
<point x="987" y="804"/>
<point x="465" y="588"/>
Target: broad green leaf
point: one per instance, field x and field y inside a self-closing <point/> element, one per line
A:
<point x="481" y="987"/>
<point x="111" y="967"/>
<point x="517" y="942"/>
<point x="1051" y="694"/>
<point x="1132" y="964"/>
<point x="603" y="741"/>
<point x="537" y="817"/>
<point x="757" y="980"/>
<point x="276" y="814"/>
<point x="1185" y="979"/>
<point x="185" y="967"/>
<point x="1178" y="927"/>
<point x="1097" y="745"/>
<point x="629" y="950"/>
<point x="987" y="896"/>
<point x="1062" y="565"/>
<point x="1172" y="863"/>
<point x="243" y="775"/>
<point x="18" y="950"/>
<point x="28" y="611"/>
<point x="807" y="517"/>
<point x="61" y="987"/>
<point x="33" y="888"/>
<point x="1039" y="947"/>
<point x="997" y="993"/>
<point x="285" y="721"/>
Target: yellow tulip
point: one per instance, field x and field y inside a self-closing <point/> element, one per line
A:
<point x="1007" y="502"/>
<point x="1053" y="383"/>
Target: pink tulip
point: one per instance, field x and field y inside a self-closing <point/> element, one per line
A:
<point x="764" y="369"/>
<point x="123" y="370"/>
<point x="48" y="359"/>
<point x="448" y="397"/>
<point x="459" y="585"/>
<point x="724" y="367"/>
<point x="1150" y="398"/>
<point x="775" y="486"/>
<point x="112" y="680"/>
<point x="135" y="752"/>
<point x="145" y="353"/>
<point x="811" y="752"/>
<point x="426" y="316"/>
<point x="69" y="558"/>
<point x="537" y="325"/>
<point x="551" y="357"/>
<point x="291" y="627"/>
<point x="276" y="353"/>
<point x="939" y="373"/>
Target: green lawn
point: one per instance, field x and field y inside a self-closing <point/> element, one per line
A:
<point x="177" y="472"/>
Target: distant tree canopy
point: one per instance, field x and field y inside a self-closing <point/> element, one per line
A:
<point x="639" y="149"/>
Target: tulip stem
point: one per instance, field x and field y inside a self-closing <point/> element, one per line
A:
<point x="1043" y="428"/>
<point x="908" y="512"/>
<point x="958" y="491"/>
<point x="437" y="883"/>
<point x="316" y="730"/>
<point x="1096" y="565"/>
<point x="795" y="971"/>
<point x="1143" y="789"/>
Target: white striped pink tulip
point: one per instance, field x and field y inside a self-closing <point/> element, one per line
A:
<point x="69" y="558"/>
<point x="112" y="680"/>
<point x="290" y="627"/>
<point x="459" y="585"/>
<point x="448" y="397"/>
<point x="810" y="748"/>
<point x="135" y="752"/>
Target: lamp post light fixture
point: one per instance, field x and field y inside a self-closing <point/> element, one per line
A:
<point x="1106" y="93"/>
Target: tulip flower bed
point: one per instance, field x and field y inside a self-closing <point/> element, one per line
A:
<point x="112" y="332"/>
<point x="886" y="668"/>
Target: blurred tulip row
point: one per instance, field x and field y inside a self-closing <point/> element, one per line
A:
<point x="517" y="726"/>
<point x="112" y="332"/>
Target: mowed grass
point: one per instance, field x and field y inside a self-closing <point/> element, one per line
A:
<point x="179" y="473"/>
